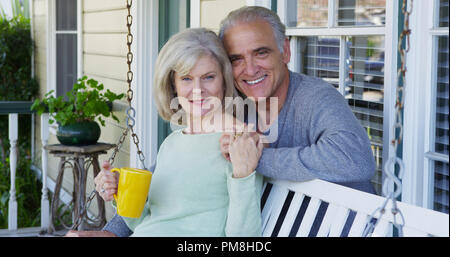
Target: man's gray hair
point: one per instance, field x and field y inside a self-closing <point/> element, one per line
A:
<point x="253" y="13"/>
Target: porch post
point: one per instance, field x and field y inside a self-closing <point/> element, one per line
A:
<point x="45" y="206"/>
<point x="13" y="134"/>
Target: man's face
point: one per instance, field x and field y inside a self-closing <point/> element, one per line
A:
<point x="259" y="68"/>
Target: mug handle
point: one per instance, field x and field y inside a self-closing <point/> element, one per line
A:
<point x="114" y="170"/>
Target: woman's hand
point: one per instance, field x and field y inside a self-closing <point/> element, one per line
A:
<point x="226" y="139"/>
<point x="244" y="152"/>
<point x="106" y="182"/>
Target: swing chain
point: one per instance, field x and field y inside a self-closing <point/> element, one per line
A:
<point x="130" y="121"/>
<point x="130" y="112"/>
<point x="389" y="190"/>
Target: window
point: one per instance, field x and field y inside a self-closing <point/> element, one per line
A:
<point x="311" y="13"/>
<point x="438" y="153"/>
<point x="343" y="42"/>
<point x="361" y="12"/>
<point x="321" y="58"/>
<point x="426" y="124"/>
<point x="66" y="45"/>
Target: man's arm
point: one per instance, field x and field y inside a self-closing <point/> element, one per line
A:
<point x="339" y="149"/>
<point x="118" y="227"/>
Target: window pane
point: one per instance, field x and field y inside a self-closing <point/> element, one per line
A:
<point x="321" y="58"/>
<point x="364" y="80"/>
<point x="440" y="201"/>
<point x="364" y="89"/>
<point x="361" y="12"/>
<point x="312" y="13"/>
<point x="443" y="13"/>
<point x="66" y="62"/>
<point x="66" y="15"/>
<point x="442" y="96"/>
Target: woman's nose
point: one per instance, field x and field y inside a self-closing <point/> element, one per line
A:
<point x="197" y="91"/>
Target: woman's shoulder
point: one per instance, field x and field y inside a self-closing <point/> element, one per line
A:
<point x="171" y="137"/>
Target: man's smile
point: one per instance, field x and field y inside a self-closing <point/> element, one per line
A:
<point x="256" y="81"/>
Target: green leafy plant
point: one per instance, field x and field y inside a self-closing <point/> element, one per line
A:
<point x="16" y="46"/>
<point x="16" y="84"/>
<point x="84" y="102"/>
<point x="18" y="8"/>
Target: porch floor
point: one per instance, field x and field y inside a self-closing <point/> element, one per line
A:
<point x="30" y="232"/>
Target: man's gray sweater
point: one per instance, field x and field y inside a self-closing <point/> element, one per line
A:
<point x="318" y="137"/>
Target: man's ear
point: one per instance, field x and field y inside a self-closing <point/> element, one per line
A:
<point x="286" y="51"/>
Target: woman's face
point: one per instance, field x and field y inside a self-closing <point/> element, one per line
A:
<point x="201" y="90"/>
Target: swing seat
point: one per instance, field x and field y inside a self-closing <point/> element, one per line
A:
<point x="290" y="209"/>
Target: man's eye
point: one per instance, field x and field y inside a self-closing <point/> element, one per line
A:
<point x="234" y="59"/>
<point x="262" y="52"/>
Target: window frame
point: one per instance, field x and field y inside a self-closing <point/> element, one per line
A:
<point x="389" y="29"/>
<point x="145" y="49"/>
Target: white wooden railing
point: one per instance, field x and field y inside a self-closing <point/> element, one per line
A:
<point x="13" y="131"/>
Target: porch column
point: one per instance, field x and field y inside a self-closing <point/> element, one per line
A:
<point x="45" y="205"/>
<point x="13" y="134"/>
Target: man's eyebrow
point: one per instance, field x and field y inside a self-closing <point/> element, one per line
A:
<point x="262" y="48"/>
<point x="233" y="56"/>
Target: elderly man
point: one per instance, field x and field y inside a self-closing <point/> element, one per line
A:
<point x="317" y="134"/>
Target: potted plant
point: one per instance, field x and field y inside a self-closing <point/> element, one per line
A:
<point x="76" y="113"/>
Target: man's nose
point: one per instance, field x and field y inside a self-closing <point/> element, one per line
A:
<point x="250" y="67"/>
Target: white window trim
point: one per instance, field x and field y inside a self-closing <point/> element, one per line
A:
<point x="196" y="10"/>
<point x="145" y="49"/>
<point x="51" y="47"/>
<point x="420" y="105"/>
<point x="389" y="30"/>
<point x="195" y="14"/>
<point x="263" y="3"/>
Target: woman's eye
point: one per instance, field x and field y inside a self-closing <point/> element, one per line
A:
<point x="186" y="79"/>
<point x="209" y="77"/>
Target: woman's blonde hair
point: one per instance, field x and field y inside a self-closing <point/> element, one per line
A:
<point x="180" y="54"/>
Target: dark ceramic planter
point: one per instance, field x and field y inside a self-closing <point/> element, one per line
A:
<point x="81" y="133"/>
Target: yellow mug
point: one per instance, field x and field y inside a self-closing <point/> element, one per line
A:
<point x="132" y="191"/>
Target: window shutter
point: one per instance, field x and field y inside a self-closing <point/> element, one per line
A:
<point x="441" y="144"/>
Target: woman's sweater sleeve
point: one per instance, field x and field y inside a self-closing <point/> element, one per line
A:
<point x="244" y="211"/>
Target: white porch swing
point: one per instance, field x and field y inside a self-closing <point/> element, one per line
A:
<point x="290" y="208"/>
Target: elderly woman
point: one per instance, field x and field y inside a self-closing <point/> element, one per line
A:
<point x="194" y="190"/>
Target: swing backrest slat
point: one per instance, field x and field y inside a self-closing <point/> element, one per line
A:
<point x="291" y="208"/>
